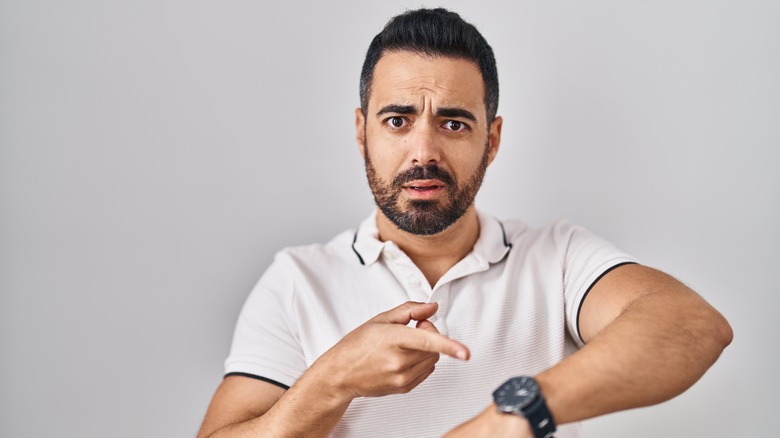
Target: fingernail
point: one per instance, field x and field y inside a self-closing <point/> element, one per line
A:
<point x="461" y="355"/>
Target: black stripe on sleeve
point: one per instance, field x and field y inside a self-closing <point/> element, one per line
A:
<point x="264" y="379"/>
<point x="579" y="308"/>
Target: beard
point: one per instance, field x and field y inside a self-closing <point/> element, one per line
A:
<point x="422" y="216"/>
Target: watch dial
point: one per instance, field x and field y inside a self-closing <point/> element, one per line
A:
<point x="516" y="393"/>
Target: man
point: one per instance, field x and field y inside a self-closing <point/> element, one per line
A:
<point x="407" y="325"/>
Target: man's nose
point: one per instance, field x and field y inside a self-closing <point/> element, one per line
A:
<point x="425" y="148"/>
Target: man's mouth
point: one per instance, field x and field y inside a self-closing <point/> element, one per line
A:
<point x="424" y="186"/>
<point x="429" y="184"/>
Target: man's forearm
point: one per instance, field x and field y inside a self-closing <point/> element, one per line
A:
<point x="659" y="346"/>
<point x="307" y="409"/>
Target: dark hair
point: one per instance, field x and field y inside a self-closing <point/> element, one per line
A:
<point x="433" y="32"/>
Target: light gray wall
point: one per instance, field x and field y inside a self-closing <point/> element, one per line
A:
<point x="155" y="154"/>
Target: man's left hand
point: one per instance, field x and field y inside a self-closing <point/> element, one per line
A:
<point x="491" y="423"/>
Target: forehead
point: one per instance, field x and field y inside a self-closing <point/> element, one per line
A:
<point x="409" y="78"/>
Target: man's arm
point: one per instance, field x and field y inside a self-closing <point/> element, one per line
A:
<point x="648" y="338"/>
<point x="238" y="399"/>
<point x="382" y="356"/>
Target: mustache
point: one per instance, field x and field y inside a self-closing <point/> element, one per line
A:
<point x="430" y="171"/>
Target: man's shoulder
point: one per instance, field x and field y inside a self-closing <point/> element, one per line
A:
<point x="517" y="230"/>
<point x="336" y="249"/>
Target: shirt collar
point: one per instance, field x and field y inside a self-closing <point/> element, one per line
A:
<point x="366" y="243"/>
<point x="491" y="246"/>
<point x="492" y="243"/>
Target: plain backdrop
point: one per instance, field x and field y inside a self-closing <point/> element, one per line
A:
<point x="155" y="154"/>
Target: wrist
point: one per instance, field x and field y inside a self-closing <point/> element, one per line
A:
<point x="547" y="387"/>
<point x="522" y="397"/>
<point x="328" y="387"/>
<point x="514" y="425"/>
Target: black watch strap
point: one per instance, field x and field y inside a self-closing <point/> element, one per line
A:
<point x="522" y="396"/>
<point x="540" y="419"/>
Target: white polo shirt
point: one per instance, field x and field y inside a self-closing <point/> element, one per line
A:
<point x="513" y="301"/>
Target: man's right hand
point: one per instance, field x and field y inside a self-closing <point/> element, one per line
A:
<point x="385" y="356"/>
<point x="382" y="356"/>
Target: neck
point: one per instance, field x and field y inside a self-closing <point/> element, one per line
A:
<point x="434" y="254"/>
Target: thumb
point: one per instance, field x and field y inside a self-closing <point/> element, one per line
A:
<point x="410" y="310"/>
<point x="427" y="325"/>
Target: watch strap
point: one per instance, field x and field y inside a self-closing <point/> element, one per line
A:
<point x="539" y="418"/>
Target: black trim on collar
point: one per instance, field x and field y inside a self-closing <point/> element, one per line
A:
<point x="355" y="250"/>
<point x="579" y="308"/>
<point x="264" y="379"/>
<point x="503" y="234"/>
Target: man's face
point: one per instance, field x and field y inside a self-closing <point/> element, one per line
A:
<point x="425" y="139"/>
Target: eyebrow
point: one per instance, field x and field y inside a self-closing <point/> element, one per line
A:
<point x="456" y="112"/>
<point x="441" y="112"/>
<point x="398" y="109"/>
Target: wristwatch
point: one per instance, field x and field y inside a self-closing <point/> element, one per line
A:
<point x="521" y="396"/>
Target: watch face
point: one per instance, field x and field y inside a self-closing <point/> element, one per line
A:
<point x="516" y="393"/>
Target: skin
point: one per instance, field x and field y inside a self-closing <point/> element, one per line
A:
<point x="429" y="86"/>
<point x="648" y="337"/>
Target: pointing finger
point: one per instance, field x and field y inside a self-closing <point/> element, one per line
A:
<point x="433" y="342"/>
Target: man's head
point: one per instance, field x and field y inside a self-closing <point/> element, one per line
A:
<point x="433" y="32"/>
<point x="426" y="126"/>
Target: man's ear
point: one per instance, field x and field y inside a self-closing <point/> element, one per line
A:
<point x="360" y="131"/>
<point x="494" y="138"/>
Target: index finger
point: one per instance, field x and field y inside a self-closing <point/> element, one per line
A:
<point x="433" y="342"/>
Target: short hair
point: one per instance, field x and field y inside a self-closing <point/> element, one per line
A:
<point x="433" y="32"/>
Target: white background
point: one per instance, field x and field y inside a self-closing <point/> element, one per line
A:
<point x="155" y="154"/>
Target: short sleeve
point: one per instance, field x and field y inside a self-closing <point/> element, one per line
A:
<point x="586" y="258"/>
<point x="265" y="342"/>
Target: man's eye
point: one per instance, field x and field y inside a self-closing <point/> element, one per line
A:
<point x="396" y="122"/>
<point x="454" y="125"/>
